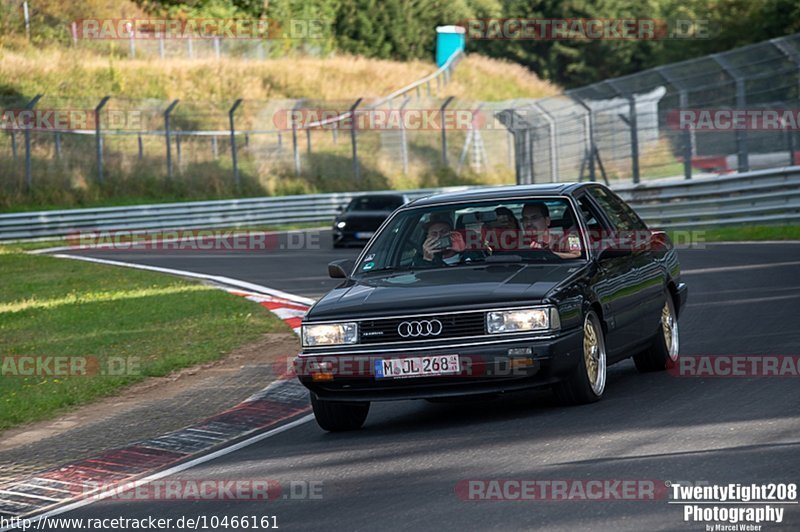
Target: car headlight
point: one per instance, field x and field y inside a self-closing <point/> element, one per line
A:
<point x="521" y="320"/>
<point x="329" y="334"/>
<point x="340" y="225"/>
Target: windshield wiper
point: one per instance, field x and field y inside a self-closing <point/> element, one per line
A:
<point x="503" y="258"/>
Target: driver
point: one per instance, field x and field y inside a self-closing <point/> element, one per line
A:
<point x="536" y="223"/>
<point x="442" y="245"/>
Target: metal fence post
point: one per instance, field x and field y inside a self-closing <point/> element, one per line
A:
<point x="444" y="129"/>
<point x="161" y="46"/>
<point x="530" y="171"/>
<point x="353" y="139"/>
<point x="404" y="137"/>
<point x="141" y="146"/>
<point x="99" y="137"/>
<point x="591" y="149"/>
<point x="308" y="141"/>
<point x="178" y="149"/>
<point x="216" y="47"/>
<point x="686" y="138"/>
<point x="634" y="138"/>
<point x="214" y="147"/>
<point x="551" y="123"/>
<point x="235" y="106"/>
<point x="743" y="163"/>
<point x="683" y="103"/>
<point x="27" y="17"/>
<point x="166" y="136"/>
<point x="509" y="149"/>
<point x="14" y="145"/>
<point x="131" y="41"/>
<point x="28" y="177"/>
<point x="58" y="145"/>
<point x="295" y="151"/>
<point x="514" y="124"/>
<point x="630" y="121"/>
<point x="189" y="48"/>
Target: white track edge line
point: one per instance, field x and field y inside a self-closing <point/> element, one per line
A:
<point x="216" y="278"/>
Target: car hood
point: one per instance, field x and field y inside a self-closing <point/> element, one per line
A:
<point x="435" y="290"/>
<point x="364" y="215"/>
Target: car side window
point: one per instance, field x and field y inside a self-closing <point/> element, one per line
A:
<point x="594" y="222"/>
<point x="619" y="212"/>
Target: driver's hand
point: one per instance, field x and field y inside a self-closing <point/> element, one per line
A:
<point x="457" y="242"/>
<point x="429" y="248"/>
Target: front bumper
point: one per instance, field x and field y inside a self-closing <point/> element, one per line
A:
<point x="485" y="369"/>
<point x="341" y="237"/>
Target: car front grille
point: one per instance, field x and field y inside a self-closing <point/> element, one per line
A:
<point x="417" y="328"/>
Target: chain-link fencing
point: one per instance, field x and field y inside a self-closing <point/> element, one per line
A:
<point x="733" y="111"/>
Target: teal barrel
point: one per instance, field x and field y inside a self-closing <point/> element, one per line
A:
<point x="449" y="40"/>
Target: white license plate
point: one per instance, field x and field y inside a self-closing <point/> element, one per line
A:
<point x="417" y="366"/>
<point x="366" y="235"/>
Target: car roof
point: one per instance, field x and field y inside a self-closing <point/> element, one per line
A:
<point x="499" y="193"/>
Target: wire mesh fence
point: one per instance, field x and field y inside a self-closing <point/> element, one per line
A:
<point x="732" y="111"/>
<point x="395" y="141"/>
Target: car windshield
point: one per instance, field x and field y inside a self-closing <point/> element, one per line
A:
<point x="375" y="203"/>
<point x="519" y="231"/>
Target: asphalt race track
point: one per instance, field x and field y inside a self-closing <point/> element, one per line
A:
<point x="401" y="471"/>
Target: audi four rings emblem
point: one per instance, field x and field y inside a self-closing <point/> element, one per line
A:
<point x="411" y="329"/>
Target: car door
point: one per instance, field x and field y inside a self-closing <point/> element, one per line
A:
<point x="646" y="276"/>
<point x="614" y="283"/>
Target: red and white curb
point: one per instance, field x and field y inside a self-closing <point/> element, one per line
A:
<point x="279" y="407"/>
<point x="290" y="312"/>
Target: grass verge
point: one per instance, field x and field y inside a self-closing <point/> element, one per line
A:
<point x="136" y="323"/>
<point x="738" y="233"/>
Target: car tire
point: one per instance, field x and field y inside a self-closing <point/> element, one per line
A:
<point x="587" y="381"/>
<point x="664" y="349"/>
<point x="338" y="417"/>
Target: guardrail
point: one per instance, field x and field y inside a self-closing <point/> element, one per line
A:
<point x="766" y="196"/>
<point x="763" y="196"/>
<point x="280" y="210"/>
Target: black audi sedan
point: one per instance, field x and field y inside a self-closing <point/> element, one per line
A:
<point x="360" y="219"/>
<point x="490" y="291"/>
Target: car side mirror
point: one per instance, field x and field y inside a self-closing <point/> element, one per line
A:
<point x="340" y="208"/>
<point x="339" y="269"/>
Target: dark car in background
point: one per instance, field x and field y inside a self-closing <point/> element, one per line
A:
<point x="363" y="216"/>
<point x="491" y="291"/>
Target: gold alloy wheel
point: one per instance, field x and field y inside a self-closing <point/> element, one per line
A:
<point x="669" y="326"/>
<point x="594" y="355"/>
